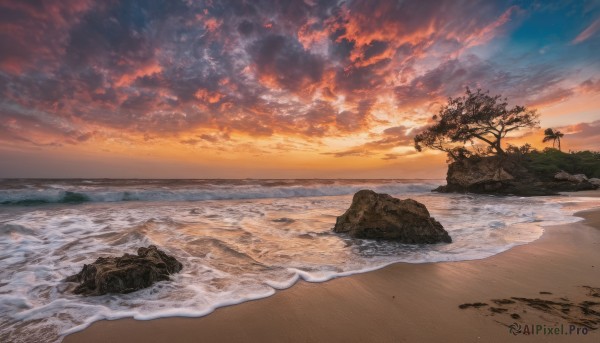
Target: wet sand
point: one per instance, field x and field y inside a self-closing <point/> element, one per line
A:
<point x="551" y="282"/>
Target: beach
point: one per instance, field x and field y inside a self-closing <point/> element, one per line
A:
<point x="407" y="302"/>
<point x="299" y="171"/>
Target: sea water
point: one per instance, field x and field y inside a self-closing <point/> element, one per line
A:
<point x="237" y="239"/>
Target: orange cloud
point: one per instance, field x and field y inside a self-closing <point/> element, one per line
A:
<point x="146" y="70"/>
<point x="282" y="80"/>
<point x="207" y="96"/>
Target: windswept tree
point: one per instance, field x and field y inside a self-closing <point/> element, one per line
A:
<point x="554" y="136"/>
<point x="475" y="118"/>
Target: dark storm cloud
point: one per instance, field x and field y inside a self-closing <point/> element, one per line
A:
<point x="284" y="60"/>
<point x="139" y="101"/>
<point x="245" y="27"/>
<point x="375" y="48"/>
<point x="33" y="33"/>
<point x="341" y="49"/>
<point x="361" y="78"/>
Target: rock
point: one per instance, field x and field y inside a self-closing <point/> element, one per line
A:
<point x="564" y="176"/>
<point x="490" y="176"/>
<point x="505" y="176"/>
<point x="485" y="174"/>
<point x="125" y="274"/>
<point x="380" y="216"/>
<point x="594" y="181"/>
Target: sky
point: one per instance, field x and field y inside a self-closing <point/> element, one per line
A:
<point x="278" y="89"/>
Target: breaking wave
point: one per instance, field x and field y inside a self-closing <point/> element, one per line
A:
<point x="188" y="190"/>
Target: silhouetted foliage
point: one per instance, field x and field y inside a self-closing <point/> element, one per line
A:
<point x="520" y="150"/>
<point x="554" y="136"/>
<point x="472" y="118"/>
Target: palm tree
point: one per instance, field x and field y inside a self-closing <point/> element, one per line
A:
<point x="554" y="136"/>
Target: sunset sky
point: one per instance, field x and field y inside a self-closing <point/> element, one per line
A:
<point x="277" y="89"/>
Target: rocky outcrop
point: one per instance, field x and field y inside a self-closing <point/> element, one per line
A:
<point x="495" y="175"/>
<point x="380" y="216"/>
<point x="125" y="274"/>
<point x="594" y="181"/>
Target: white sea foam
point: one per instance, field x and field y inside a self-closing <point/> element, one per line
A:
<point x="233" y="250"/>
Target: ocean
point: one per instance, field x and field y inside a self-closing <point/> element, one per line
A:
<point x="238" y="240"/>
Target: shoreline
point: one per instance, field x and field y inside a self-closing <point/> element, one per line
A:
<point x="401" y="302"/>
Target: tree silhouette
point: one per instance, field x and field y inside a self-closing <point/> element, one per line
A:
<point x="554" y="136"/>
<point x="474" y="117"/>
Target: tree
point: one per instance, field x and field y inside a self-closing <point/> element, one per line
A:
<point x="474" y="118"/>
<point x="554" y="136"/>
<point x="520" y="150"/>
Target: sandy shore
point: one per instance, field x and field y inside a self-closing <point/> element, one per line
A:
<point x="411" y="302"/>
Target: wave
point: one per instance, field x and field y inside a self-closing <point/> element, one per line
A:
<point x="41" y="197"/>
<point x="56" y="194"/>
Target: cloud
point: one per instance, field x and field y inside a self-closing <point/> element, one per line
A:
<point x="281" y="61"/>
<point x="583" y="130"/>
<point x="206" y="138"/>
<point x="450" y="78"/>
<point x="390" y="138"/>
<point x="394" y="156"/>
<point x="590" y="86"/>
<point x="32" y="33"/>
<point x="307" y="69"/>
<point x="587" y="32"/>
<point x="581" y="136"/>
<point x="552" y="97"/>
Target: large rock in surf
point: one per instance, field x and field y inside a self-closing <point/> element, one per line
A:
<point x="125" y="274"/>
<point x="380" y="216"/>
